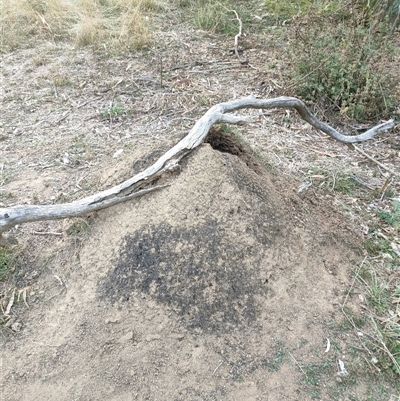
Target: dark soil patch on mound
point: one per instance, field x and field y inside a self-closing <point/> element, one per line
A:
<point x="195" y="292"/>
<point x="198" y="272"/>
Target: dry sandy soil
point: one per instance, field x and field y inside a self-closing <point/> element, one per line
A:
<point x="225" y="285"/>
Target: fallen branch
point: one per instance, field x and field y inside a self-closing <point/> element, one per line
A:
<point x="142" y="183"/>
<point x="237" y="37"/>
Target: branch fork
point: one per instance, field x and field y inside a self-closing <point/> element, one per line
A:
<point x="144" y="182"/>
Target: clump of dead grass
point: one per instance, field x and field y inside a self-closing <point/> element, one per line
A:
<point x="112" y="23"/>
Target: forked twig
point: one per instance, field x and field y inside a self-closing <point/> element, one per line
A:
<point x="237" y="37"/>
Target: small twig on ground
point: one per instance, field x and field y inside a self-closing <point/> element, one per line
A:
<point x="161" y="72"/>
<point x="385" y="186"/>
<point x="295" y="361"/>
<point x="23" y="292"/>
<point x="216" y="69"/>
<point x="47" y="233"/>
<point x="324" y="153"/>
<point x="10" y="304"/>
<point x="237" y="37"/>
<point x="60" y="280"/>
<point x="376" y="161"/>
<point x="221" y="362"/>
<point x="354" y="280"/>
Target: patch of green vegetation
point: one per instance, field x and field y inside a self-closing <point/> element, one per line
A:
<point x="335" y="66"/>
<point x="203" y="101"/>
<point x="5" y="177"/>
<point x="61" y="79"/>
<point x="117" y="24"/>
<point x="345" y="184"/>
<point x="387" y="12"/>
<point x="342" y="181"/>
<point x="230" y="129"/>
<point x="78" y="227"/>
<point x="392" y="218"/>
<point x="383" y="319"/>
<point x="113" y="111"/>
<point x="321" y="380"/>
<point x="8" y="261"/>
<point x="377" y="246"/>
<point x="355" y="319"/>
<point x="218" y="17"/>
<point x="278" y="358"/>
<point x="335" y="59"/>
<point x="377" y="294"/>
<point x="287" y="9"/>
<point x="369" y="345"/>
<point x="395" y="347"/>
<point x="79" y="144"/>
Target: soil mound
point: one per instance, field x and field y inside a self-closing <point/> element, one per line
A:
<point x="195" y="292"/>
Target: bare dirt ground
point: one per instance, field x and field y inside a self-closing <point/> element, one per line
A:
<point x="225" y="285"/>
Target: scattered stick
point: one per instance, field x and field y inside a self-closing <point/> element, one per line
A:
<point x="10" y="304"/>
<point x="385" y="186"/>
<point x="143" y="183"/>
<point x="60" y="280"/>
<point x="47" y="233"/>
<point x="376" y="161"/>
<point x="23" y="292"/>
<point x="221" y="362"/>
<point x="357" y="274"/>
<point x="328" y="345"/>
<point x="295" y="361"/>
<point x="237" y="37"/>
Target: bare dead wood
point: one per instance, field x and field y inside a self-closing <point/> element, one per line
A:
<point x="237" y="37"/>
<point x="143" y="182"/>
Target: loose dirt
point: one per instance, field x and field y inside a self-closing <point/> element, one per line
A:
<point x="225" y="285"/>
<point x="196" y="292"/>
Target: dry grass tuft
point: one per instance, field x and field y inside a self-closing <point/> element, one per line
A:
<point x="112" y="23"/>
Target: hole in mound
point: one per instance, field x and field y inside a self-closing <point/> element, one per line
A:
<point x="228" y="143"/>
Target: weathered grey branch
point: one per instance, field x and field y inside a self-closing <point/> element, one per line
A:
<point x="141" y="183"/>
<point x="237" y="37"/>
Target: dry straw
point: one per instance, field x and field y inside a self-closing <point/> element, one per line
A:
<point x="112" y="23"/>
